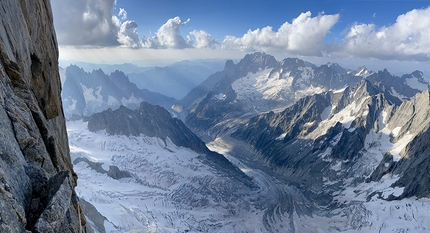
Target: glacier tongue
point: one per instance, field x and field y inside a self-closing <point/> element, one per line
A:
<point x="171" y="190"/>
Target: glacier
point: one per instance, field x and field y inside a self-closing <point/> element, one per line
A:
<point x="171" y="190"/>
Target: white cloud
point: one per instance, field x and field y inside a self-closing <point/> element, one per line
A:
<point x="202" y="40"/>
<point x="168" y="36"/>
<point x="128" y="35"/>
<point x="122" y="13"/>
<point x="408" y="38"/>
<point x="91" y="23"/>
<point x="303" y="36"/>
<point x="85" y="22"/>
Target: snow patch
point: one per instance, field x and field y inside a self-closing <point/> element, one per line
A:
<point x="394" y="93"/>
<point x="339" y="90"/>
<point x="416" y="84"/>
<point x="400" y="145"/>
<point x="396" y="131"/>
<point x="281" y="137"/>
<point x="92" y="95"/>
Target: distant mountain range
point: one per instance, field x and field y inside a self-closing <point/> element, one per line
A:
<point x="86" y="93"/>
<point x="126" y="68"/>
<point x="259" y="83"/>
<point x="290" y="147"/>
<point x="174" y="80"/>
<point x="178" y="79"/>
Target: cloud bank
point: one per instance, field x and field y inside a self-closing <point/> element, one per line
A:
<point x="303" y="36"/>
<point x="85" y="22"/>
<point x="408" y="38"/>
<point x="92" y="23"/>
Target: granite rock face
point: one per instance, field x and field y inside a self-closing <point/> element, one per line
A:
<point x="36" y="175"/>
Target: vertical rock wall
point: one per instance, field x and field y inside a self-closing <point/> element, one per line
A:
<point x="36" y="175"/>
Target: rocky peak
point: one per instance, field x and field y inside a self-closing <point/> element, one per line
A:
<point x="292" y="62"/>
<point x="336" y="67"/>
<point x="392" y="84"/>
<point x="229" y="64"/>
<point x="418" y="74"/>
<point x="362" y="71"/>
<point x="149" y="120"/>
<point x="36" y="175"/>
<point x="254" y="62"/>
<point x="85" y="93"/>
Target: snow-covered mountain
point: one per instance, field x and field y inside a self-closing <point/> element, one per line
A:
<point x="290" y="147"/>
<point x="126" y="68"/>
<point x="338" y="161"/>
<point x="357" y="153"/>
<point x="160" y="177"/>
<point x="86" y="93"/>
<point x="259" y="83"/>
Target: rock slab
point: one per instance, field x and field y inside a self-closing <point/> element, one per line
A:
<point x="36" y="175"/>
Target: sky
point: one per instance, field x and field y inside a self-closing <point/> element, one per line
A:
<point x="378" y="34"/>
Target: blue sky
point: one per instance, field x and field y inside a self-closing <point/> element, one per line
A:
<point x="157" y="31"/>
<point x="222" y="18"/>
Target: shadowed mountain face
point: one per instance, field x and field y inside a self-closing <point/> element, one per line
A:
<point x="37" y="179"/>
<point x="87" y="93"/>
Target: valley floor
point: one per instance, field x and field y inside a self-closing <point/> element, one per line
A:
<point x="144" y="184"/>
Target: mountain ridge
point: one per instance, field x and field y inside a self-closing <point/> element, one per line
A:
<point x="244" y="93"/>
<point x="87" y="93"/>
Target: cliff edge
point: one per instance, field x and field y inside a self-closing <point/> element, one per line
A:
<point x="36" y="175"/>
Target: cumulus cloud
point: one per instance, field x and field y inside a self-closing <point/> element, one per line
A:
<point x="91" y="23"/>
<point x="127" y="34"/>
<point x="85" y="22"/>
<point x="202" y="40"/>
<point x="304" y="35"/>
<point x="168" y="36"/>
<point x="407" y="38"/>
